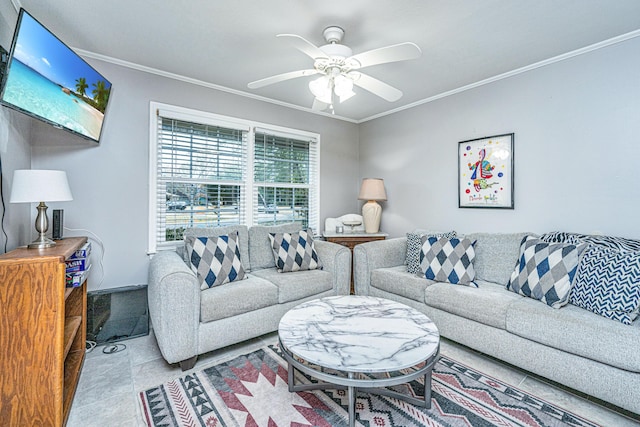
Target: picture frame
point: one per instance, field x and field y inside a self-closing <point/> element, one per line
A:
<point x="485" y="172"/>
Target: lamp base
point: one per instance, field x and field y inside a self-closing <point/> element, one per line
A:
<point x="41" y="242"/>
<point x="42" y="225"/>
<point x="371" y="214"/>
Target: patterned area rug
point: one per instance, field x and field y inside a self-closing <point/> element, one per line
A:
<point x="251" y="390"/>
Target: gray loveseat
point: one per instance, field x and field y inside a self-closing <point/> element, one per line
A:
<point x="188" y="321"/>
<point x="570" y="345"/>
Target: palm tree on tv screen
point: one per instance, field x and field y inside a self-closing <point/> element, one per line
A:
<point x="81" y="86"/>
<point x="100" y="95"/>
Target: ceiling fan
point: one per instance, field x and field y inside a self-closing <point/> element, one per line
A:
<point x="339" y="68"/>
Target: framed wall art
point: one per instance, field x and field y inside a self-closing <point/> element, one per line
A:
<point x="485" y="172"/>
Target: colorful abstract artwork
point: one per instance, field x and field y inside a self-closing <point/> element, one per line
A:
<point x="485" y="172"/>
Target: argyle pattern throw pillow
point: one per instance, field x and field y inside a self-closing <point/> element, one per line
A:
<point x="414" y="246"/>
<point x="608" y="283"/>
<point x="447" y="260"/>
<point x="294" y="251"/>
<point x="545" y="271"/>
<point x="215" y="260"/>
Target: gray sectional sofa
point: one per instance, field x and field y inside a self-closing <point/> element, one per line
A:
<point x="188" y="321"/>
<point x="569" y="345"/>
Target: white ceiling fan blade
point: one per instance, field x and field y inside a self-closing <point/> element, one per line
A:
<point x="303" y="45"/>
<point x="393" y="53"/>
<point x="280" y="78"/>
<point x="376" y="87"/>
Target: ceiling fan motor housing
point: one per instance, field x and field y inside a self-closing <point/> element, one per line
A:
<point x="338" y="50"/>
<point x="337" y="53"/>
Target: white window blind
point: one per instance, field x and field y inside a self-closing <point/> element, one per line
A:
<point x="209" y="171"/>
<point x="200" y="177"/>
<point x="285" y="176"/>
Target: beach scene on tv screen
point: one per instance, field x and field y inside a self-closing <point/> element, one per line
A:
<point x="49" y="80"/>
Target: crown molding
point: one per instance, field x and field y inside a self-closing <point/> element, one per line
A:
<point x="16" y="5"/>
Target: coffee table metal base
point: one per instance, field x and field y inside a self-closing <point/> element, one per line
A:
<point x="368" y="385"/>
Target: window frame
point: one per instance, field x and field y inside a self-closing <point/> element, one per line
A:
<point x="250" y="185"/>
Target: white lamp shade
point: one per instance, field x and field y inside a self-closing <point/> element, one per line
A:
<point x="372" y="189"/>
<point x="32" y="185"/>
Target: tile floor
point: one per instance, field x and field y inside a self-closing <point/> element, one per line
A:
<point x="107" y="392"/>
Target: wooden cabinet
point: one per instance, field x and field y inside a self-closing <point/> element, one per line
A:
<point x="42" y="335"/>
<point x="350" y="240"/>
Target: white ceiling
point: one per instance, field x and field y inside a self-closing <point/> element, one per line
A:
<point x="231" y="43"/>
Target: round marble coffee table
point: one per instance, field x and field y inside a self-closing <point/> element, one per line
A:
<point x="343" y="337"/>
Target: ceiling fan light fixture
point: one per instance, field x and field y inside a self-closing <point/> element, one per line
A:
<point x="343" y="87"/>
<point x="321" y="89"/>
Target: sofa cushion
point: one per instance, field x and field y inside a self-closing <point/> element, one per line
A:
<point x="398" y="281"/>
<point x="414" y="245"/>
<point x="576" y="331"/>
<point x="486" y="304"/>
<point x="215" y="260"/>
<point x="545" y="271"/>
<point x="447" y="260"/>
<point x="608" y="283"/>
<point x="251" y="294"/>
<point x="294" y="251"/>
<point x="298" y="285"/>
<point x="260" y="252"/>
<point x="243" y="239"/>
<point x="496" y="255"/>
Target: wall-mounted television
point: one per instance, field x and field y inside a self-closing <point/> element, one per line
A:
<point x="49" y="81"/>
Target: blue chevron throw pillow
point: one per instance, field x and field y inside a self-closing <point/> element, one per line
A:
<point x="608" y="283"/>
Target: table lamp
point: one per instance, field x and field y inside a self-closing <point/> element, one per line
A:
<point x="372" y="190"/>
<point x="40" y="186"/>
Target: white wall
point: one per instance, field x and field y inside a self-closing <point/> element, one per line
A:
<point x="577" y="150"/>
<point x="8" y="18"/>
<point x="109" y="182"/>
<point x="15" y="153"/>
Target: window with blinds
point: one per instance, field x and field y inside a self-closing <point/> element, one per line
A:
<point x="284" y="174"/>
<point x="200" y="177"/>
<point x="210" y="171"/>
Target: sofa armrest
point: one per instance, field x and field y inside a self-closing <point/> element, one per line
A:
<point x="174" y="306"/>
<point x="376" y="254"/>
<point x="336" y="259"/>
